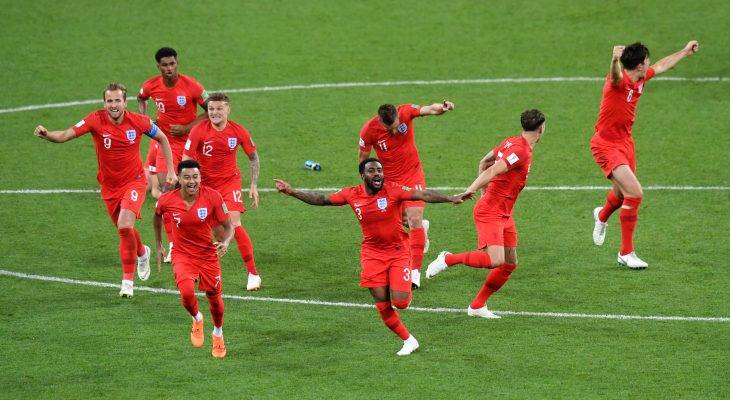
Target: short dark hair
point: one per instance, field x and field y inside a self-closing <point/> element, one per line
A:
<point x="387" y="113"/>
<point x="190" y="163"/>
<point x="532" y="119"/>
<point x="633" y="55"/>
<point x="112" y="87"/>
<point x="165" y="52"/>
<point x="217" y="96"/>
<point x="361" y="168"/>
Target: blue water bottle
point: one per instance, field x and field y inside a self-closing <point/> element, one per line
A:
<point x="313" y="165"/>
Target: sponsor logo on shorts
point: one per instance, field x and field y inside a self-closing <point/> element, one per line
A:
<point x="181" y="101"/>
<point x="202" y="213"/>
<point x="131" y="135"/>
<point x="382" y="203"/>
<point x="232" y="142"/>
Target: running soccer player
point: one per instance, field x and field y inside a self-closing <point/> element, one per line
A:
<point x="384" y="255"/>
<point x="213" y="143"/>
<point x="176" y="97"/>
<point x="612" y="144"/>
<point x="503" y="171"/>
<point x="117" y="135"/>
<point x="197" y="211"/>
<point x="391" y="133"/>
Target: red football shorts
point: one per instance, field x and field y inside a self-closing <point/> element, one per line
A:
<point x="378" y="270"/>
<point x="416" y="183"/>
<point x="206" y="273"/>
<point x="610" y="154"/>
<point x="495" y="231"/>
<point x="232" y="195"/>
<point x="130" y="197"/>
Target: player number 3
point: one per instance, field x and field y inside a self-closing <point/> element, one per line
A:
<point x="406" y="274"/>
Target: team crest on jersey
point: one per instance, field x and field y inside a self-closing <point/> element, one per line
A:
<point x="131" y="135"/>
<point x="382" y="203"/>
<point x="232" y="142"/>
<point x="181" y="101"/>
<point x="202" y="213"/>
<point x="402" y="128"/>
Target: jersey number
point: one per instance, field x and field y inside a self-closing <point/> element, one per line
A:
<point x="107" y="142"/>
<point x="630" y="96"/>
<point x="160" y="106"/>
<point x="134" y="195"/>
<point x="406" y="274"/>
<point x="358" y="212"/>
<point x="177" y="221"/>
<point x="237" y="196"/>
<point x="208" y="151"/>
<point x="383" y="145"/>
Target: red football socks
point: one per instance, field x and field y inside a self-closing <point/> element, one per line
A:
<point x="495" y="280"/>
<point x="140" y="245"/>
<point x="215" y="303"/>
<point x="474" y="259"/>
<point x="613" y="203"/>
<point x="245" y="247"/>
<point x="187" y="296"/>
<point x="628" y="216"/>
<point x="417" y="241"/>
<point x="391" y="319"/>
<point x="127" y="252"/>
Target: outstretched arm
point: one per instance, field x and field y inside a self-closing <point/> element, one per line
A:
<point x="432" y="196"/>
<point x="615" y="68"/>
<point x="668" y="62"/>
<point x="487" y="175"/>
<point x="253" y="193"/>
<point x="313" y="198"/>
<point x="437" y="108"/>
<point x="54" y="136"/>
<point x="486" y="162"/>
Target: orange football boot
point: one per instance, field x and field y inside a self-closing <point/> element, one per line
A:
<point x="219" y="347"/>
<point x="196" y="334"/>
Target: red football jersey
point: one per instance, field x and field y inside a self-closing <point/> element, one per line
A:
<point x="397" y="152"/>
<point x="117" y="147"/>
<point x="152" y="157"/>
<point x="502" y="191"/>
<point x="618" y="106"/>
<point x="379" y="215"/>
<point x="216" y="151"/>
<point x="192" y="229"/>
<point x="176" y="105"/>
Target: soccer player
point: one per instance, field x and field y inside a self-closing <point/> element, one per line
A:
<point x="612" y="144"/>
<point x="150" y="170"/>
<point x="176" y="97"/>
<point x="197" y="211"/>
<point x="213" y="143"/>
<point x="117" y="135"/>
<point x="391" y="133"/>
<point x="384" y="255"/>
<point x="503" y="171"/>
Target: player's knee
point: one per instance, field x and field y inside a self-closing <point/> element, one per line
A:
<point x="401" y="304"/>
<point x="213" y="293"/>
<point x="497" y="260"/>
<point x="382" y="305"/>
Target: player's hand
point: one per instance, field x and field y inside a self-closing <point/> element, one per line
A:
<point x="462" y="197"/>
<point x="447" y="106"/>
<point x="160" y="255"/>
<point x="178" y="130"/>
<point x="41" y="131"/>
<point x="692" y="47"/>
<point x="253" y="194"/>
<point x="221" y="248"/>
<point x="171" y="180"/>
<point x="617" y="51"/>
<point x="282" y="186"/>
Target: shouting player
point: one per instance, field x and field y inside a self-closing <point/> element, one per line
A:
<point x="197" y="211"/>
<point x="176" y="98"/>
<point x="214" y="143"/>
<point x="503" y="171"/>
<point x="117" y="135"/>
<point x="384" y="254"/>
<point x="612" y="144"/>
<point x="391" y="133"/>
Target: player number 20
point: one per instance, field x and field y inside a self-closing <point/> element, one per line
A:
<point x="160" y="106"/>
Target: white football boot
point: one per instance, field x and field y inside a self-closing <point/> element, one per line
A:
<point x="481" y="312"/>
<point x="426" y="224"/>
<point x="599" y="229"/>
<point x="437" y="265"/>
<point x="127" y="288"/>
<point x="416" y="278"/>
<point x="632" y="261"/>
<point x="254" y="282"/>
<point x="409" y="346"/>
<point x="168" y="256"/>
<point x="143" y="264"/>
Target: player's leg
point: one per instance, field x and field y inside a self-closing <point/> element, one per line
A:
<point x="498" y="276"/>
<point x="245" y="247"/>
<point x="130" y="211"/>
<point x="391" y="319"/>
<point x="416" y="239"/>
<point x="623" y="176"/>
<point x="212" y="285"/>
<point x="186" y="286"/>
<point x="607" y="156"/>
<point x="490" y="251"/>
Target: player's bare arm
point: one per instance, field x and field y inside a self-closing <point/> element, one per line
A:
<point x="223" y="235"/>
<point x="54" y="136"/>
<point x="486" y="161"/>
<point x="165" y="147"/>
<point x="253" y="194"/>
<point x="432" y="196"/>
<point x="437" y="108"/>
<point x="668" y="62"/>
<point x="615" y="68"/>
<point x="313" y="198"/>
<point x="157" y="225"/>
<point x="142" y="105"/>
<point x="362" y="155"/>
<point x="483" y="179"/>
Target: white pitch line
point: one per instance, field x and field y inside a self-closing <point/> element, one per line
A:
<point x="345" y="85"/>
<point x="44" y="278"/>
<point x="439" y="188"/>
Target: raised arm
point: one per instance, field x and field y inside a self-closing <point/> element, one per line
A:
<point x="54" y="136"/>
<point x="313" y="198"/>
<point x="487" y="175"/>
<point x="253" y="193"/>
<point x="437" y="108"/>
<point x="668" y="62"/>
<point x="615" y="68"/>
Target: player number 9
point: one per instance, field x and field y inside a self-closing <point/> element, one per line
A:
<point x="134" y="195"/>
<point x="107" y="143"/>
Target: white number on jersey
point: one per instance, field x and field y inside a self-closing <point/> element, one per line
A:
<point x="358" y="212"/>
<point x="237" y="196"/>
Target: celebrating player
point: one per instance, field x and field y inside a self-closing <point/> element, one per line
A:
<point x="384" y="255"/>
<point x="213" y="143"/>
<point x="117" y="135"/>
<point x="391" y="133"/>
<point x="612" y="144"/>
<point x="197" y="211"/>
<point x="503" y="171"/>
<point x="176" y="98"/>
